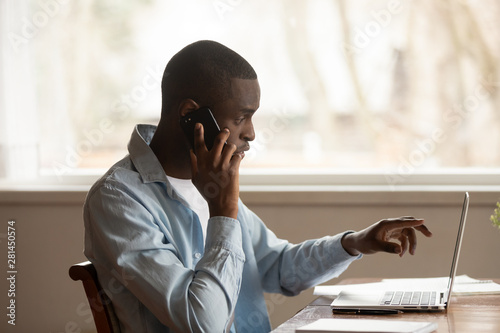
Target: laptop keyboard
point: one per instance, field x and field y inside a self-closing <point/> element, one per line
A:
<point x="409" y="298"/>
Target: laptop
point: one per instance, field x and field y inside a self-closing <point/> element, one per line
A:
<point x="407" y="299"/>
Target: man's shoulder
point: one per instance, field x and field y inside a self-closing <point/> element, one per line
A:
<point x="122" y="176"/>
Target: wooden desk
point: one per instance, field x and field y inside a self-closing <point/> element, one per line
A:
<point x="466" y="314"/>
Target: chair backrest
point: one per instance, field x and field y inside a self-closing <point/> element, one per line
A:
<point x="102" y="309"/>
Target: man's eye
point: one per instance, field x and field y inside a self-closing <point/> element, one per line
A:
<point x="239" y="120"/>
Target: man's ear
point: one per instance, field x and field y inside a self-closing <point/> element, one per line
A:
<point x="186" y="106"/>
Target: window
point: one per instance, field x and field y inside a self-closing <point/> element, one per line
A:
<point x="381" y="87"/>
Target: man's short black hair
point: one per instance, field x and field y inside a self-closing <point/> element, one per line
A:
<point x="202" y="71"/>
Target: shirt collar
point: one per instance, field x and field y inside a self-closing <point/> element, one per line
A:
<point x="143" y="158"/>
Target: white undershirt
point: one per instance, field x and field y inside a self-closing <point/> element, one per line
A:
<point x="196" y="202"/>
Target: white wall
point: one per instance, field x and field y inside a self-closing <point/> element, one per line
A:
<point x="49" y="238"/>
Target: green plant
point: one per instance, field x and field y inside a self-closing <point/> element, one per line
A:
<point x="495" y="218"/>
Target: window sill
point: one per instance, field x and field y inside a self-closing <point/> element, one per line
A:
<point x="300" y="195"/>
<point x="310" y="177"/>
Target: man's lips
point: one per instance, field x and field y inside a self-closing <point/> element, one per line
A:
<point x="241" y="151"/>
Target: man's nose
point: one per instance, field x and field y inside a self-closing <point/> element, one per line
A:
<point x="248" y="134"/>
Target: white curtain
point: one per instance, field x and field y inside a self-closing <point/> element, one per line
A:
<point x="19" y="134"/>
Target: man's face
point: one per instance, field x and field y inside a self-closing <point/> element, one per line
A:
<point x="236" y="113"/>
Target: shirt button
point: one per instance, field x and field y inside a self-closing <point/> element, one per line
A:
<point x="197" y="255"/>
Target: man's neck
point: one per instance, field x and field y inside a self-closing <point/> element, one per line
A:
<point x="172" y="154"/>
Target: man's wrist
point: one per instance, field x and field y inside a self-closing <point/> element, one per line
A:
<point x="348" y="242"/>
<point x="232" y="213"/>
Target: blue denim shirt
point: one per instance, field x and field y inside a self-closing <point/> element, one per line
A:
<point x="148" y="250"/>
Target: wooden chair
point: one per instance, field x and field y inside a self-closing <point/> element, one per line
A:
<point x="102" y="309"/>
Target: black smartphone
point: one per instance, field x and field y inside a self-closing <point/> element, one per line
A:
<point x="205" y="117"/>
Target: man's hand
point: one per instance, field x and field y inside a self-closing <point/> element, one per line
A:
<point x="394" y="235"/>
<point x="215" y="173"/>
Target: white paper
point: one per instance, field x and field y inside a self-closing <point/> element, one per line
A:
<point x="367" y="325"/>
<point x="463" y="285"/>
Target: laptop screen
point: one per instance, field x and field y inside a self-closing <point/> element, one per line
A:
<point x="458" y="245"/>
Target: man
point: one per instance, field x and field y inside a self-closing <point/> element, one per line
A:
<point x="174" y="247"/>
